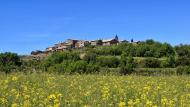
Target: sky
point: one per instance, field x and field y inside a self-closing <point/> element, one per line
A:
<point x="27" y="25"/>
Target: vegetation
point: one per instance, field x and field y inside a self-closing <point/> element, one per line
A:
<point x="9" y="62"/>
<point x="40" y="83"/>
<point x="46" y="90"/>
<point x="124" y="58"/>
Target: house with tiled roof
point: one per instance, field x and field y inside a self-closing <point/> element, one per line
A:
<point x="110" y="42"/>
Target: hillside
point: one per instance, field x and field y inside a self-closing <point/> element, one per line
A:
<point x="123" y="58"/>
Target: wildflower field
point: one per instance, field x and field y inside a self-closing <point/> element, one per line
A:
<point x="47" y="90"/>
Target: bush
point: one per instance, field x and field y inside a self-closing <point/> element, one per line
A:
<point x="183" y="61"/>
<point x="109" y="50"/>
<point x="9" y="61"/>
<point x="170" y="62"/>
<point x="127" y="64"/>
<point x="58" y="58"/>
<point x="155" y="71"/>
<point x="92" y="68"/>
<point x="127" y="60"/>
<point x="108" y="61"/>
<point x="150" y="63"/>
<point x="183" y="70"/>
<point x="80" y="66"/>
<point x="127" y="69"/>
<point x="59" y="68"/>
<point x="90" y="57"/>
<point x="183" y="50"/>
<point x="71" y="67"/>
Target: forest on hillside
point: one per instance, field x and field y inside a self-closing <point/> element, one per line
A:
<point x="148" y="57"/>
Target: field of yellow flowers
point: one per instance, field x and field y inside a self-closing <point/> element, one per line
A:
<point x="48" y="90"/>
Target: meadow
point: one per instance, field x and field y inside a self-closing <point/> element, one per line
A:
<point x="53" y="90"/>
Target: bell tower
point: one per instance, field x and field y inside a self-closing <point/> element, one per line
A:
<point x="116" y="38"/>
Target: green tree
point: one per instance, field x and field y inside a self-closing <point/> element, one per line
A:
<point x="167" y="50"/>
<point x="90" y="57"/>
<point x="151" y="63"/>
<point x="80" y="66"/>
<point x="183" y="50"/>
<point x="59" y="57"/>
<point x="9" y="61"/>
<point x="127" y="64"/>
<point x="108" y="61"/>
<point x="170" y="62"/>
<point x="183" y="61"/>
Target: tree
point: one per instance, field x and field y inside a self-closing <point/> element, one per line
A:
<point x="9" y="61"/>
<point x="80" y="66"/>
<point x="92" y="68"/>
<point x="150" y="42"/>
<point x="167" y="50"/>
<point x="142" y="49"/>
<point x="90" y="57"/>
<point x="108" y="61"/>
<point x="130" y="50"/>
<point x="183" y="61"/>
<point x="151" y="63"/>
<point x="127" y="64"/>
<point x="59" y="57"/>
<point x="183" y="50"/>
<point x="171" y="61"/>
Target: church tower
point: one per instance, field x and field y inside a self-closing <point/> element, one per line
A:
<point x="116" y="38"/>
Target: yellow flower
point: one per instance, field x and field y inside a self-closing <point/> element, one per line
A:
<point x="14" y="105"/>
<point x="14" y="78"/>
<point x="87" y="93"/>
<point x="105" y="93"/>
<point x="122" y="104"/>
<point x="59" y="95"/>
<point x="26" y="103"/>
<point x="149" y="103"/>
<point x="137" y="101"/>
<point x="130" y="103"/>
<point x="147" y="88"/>
<point x="52" y="97"/>
<point x="26" y="97"/>
<point x="86" y="106"/>
<point x="56" y="101"/>
<point x="164" y="101"/>
<point x="56" y="105"/>
<point x="3" y="101"/>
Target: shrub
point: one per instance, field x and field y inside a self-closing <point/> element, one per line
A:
<point x="80" y="66"/>
<point x="183" y="70"/>
<point x="9" y="61"/>
<point x="127" y="64"/>
<point x="92" y="68"/>
<point x="90" y="57"/>
<point x="59" y="68"/>
<point x="183" y="50"/>
<point x="108" y="61"/>
<point x="58" y="58"/>
<point x="183" y="61"/>
<point x="150" y="63"/>
<point x="170" y="62"/>
<point x="155" y="71"/>
<point x="127" y="69"/>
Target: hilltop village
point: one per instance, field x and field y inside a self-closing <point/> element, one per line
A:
<point x="77" y="44"/>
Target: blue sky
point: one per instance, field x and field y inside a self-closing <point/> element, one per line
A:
<point x="27" y="25"/>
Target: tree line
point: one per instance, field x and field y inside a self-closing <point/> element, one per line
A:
<point x="125" y="56"/>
